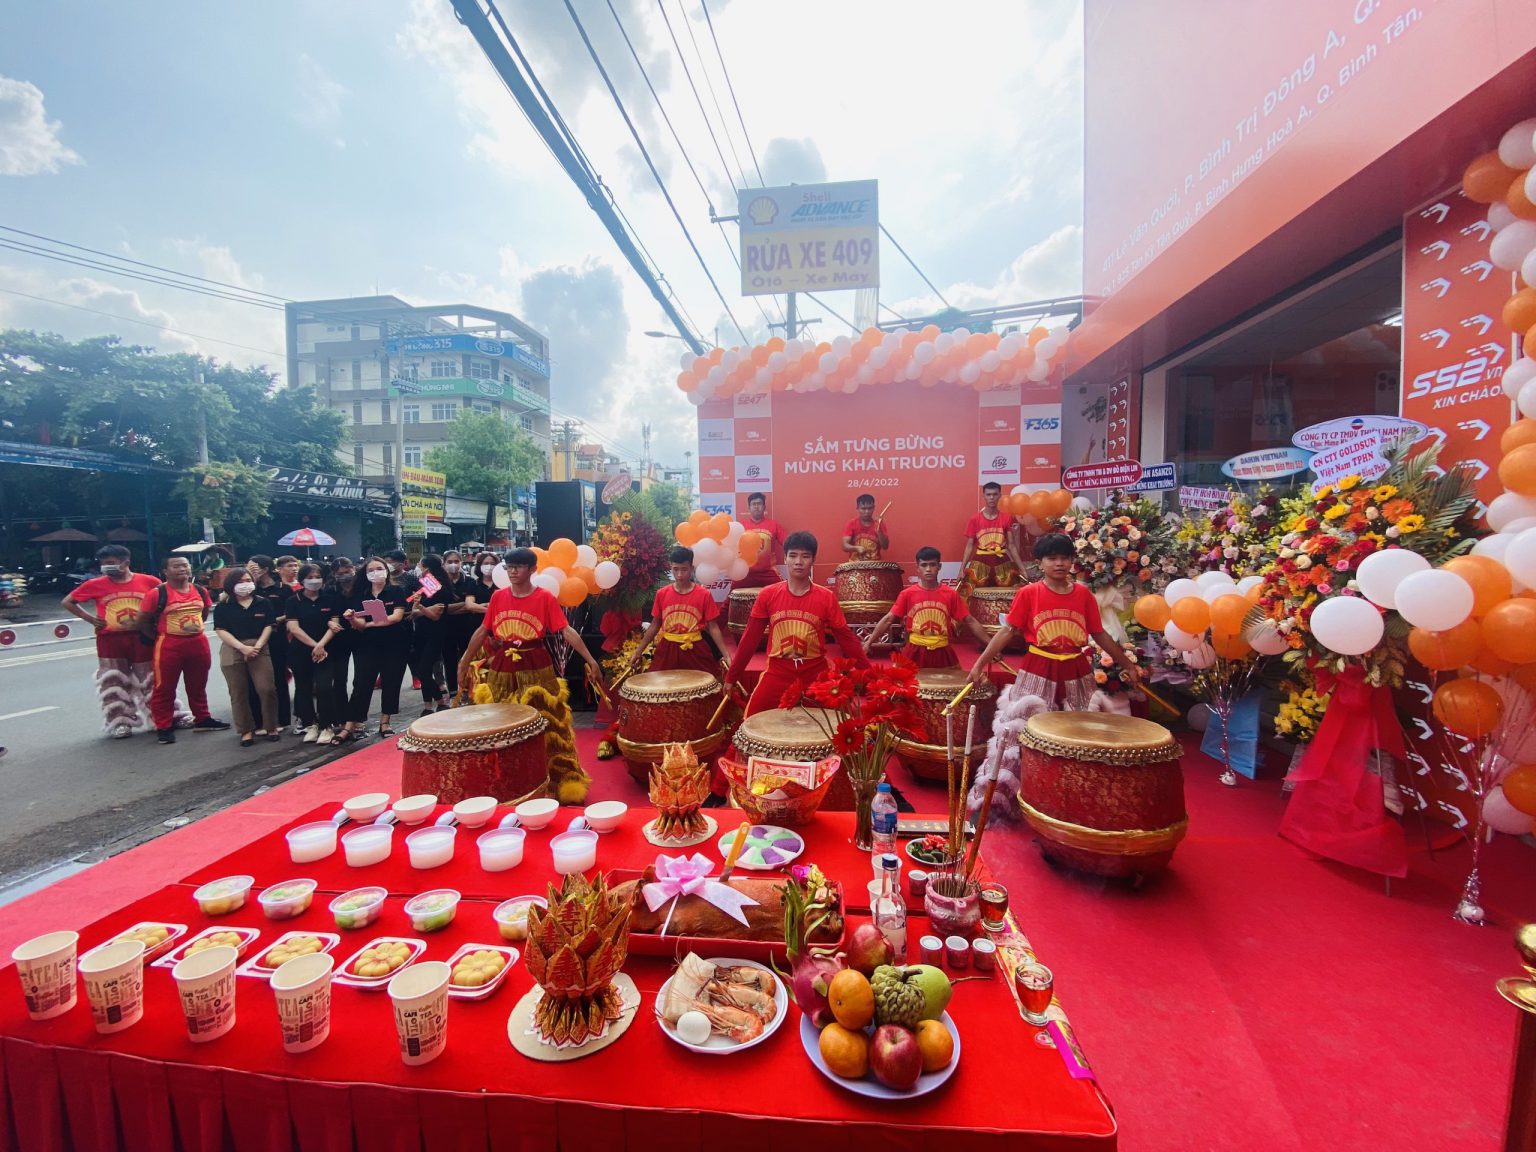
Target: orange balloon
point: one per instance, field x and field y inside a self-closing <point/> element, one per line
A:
<point x="1519" y="203"/>
<point x="697" y="516"/>
<point x="1520" y="788"/>
<point x="562" y="553"/>
<point x="1151" y="613"/>
<point x="1528" y="345"/>
<point x="716" y="526"/>
<point x="543" y="559"/>
<point x="1061" y="501"/>
<point x="1227" y="613"/>
<point x="1520" y="310"/>
<point x="871" y="337"/>
<point x="587" y="576"/>
<point x="1519" y="433"/>
<point x="1487" y="179"/>
<point x="1443" y="651"/>
<point x="1489" y="664"/>
<point x="1038" y="334"/>
<point x="1254" y="594"/>
<point x="572" y="592"/>
<point x="1041" y="506"/>
<point x="1230" y="645"/>
<point x="687" y="534"/>
<point x="1525" y="676"/>
<point x="749" y="546"/>
<point x="1509" y="631"/>
<point x="1191" y="614"/>
<point x="1517" y="471"/>
<point x="1489" y="579"/>
<point x="1468" y="707"/>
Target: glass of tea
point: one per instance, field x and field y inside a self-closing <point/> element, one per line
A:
<point x="994" y="907"/>
<point x="1035" y="984"/>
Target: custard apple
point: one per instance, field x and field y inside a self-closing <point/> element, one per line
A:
<point x="898" y="999"/>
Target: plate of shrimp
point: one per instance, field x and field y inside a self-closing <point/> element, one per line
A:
<point x="744" y="1002"/>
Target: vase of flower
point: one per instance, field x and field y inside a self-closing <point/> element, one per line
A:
<point x="952" y="903"/>
<point x="863" y="813"/>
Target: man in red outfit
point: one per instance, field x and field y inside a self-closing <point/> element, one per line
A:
<point x="173" y="614"/>
<point x="797" y="614"/>
<point x="933" y="613"/>
<point x="770" y="538"/>
<point x="682" y="614"/>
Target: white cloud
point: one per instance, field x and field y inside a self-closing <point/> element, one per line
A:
<point x="321" y="99"/>
<point x="72" y="307"/>
<point x="788" y="161"/>
<point x="29" y="141"/>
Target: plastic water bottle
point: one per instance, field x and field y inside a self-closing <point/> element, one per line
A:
<point x="883" y="819"/>
<point x="890" y="910"/>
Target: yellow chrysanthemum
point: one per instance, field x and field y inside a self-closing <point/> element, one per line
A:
<point x="1410" y="523"/>
<point x="1336" y="511"/>
<point x="1348" y="482"/>
<point x="1383" y="492"/>
<point x="1324" y="492"/>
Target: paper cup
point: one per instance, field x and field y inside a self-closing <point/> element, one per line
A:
<point x="205" y="982"/>
<point x="420" y="996"/>
<point x="46" y="967"/>
<point x="303" y="991"/>
<point x="114" y="984"/>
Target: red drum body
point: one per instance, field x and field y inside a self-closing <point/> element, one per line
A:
<point x="661" y="708"/>
<point x="739" y="609"/>
<point x="990" y="607"/>
<point x="478" y="750"/>
<point x="936" y="687"/>
<point x="866" y="590"/>
<point x="794" y="734"/>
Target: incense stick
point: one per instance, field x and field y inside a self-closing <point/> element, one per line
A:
<point x="986" y="811"/>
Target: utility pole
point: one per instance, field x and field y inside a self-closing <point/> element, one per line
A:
<point x="789" y="316"/>
<point x="202" y="445"/>
<point x="568" y="437"/>
<point x="645" y="461"/>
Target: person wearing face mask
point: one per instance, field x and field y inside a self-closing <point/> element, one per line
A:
<point x="244" y="622"/>
<point x="343" y="579"/>
<point x="310" y="611"/>
<point x="124" y="671"/>
<point x="267" y="575"/>
<point x="403" y="574"/>
<point x="381" y="648"/>
<point x="429" y="609"/>
<point x="460" y="623"/>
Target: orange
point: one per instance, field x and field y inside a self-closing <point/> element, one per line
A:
<point x="845" y="1051"/>
<point x="851" y="999"/>
<point x="936" y="1045"/>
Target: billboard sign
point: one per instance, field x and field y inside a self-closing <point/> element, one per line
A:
<point x="1266" y="464"/>
<point x="809" y="237"/>
<point x="1346" y="429"/>
<point x="1156" y="478"/>
<point x="474" y="345"/>
<point x="1105" y="474"/>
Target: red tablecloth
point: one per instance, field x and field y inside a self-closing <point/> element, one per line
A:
<point x="62" y="1085"/>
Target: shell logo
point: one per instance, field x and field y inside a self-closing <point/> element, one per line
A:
<point x="763" y="210"/>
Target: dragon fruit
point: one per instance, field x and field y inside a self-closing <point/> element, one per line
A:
<point x="807" y="903"/>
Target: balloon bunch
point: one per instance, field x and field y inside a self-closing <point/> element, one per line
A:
<point x="979" y="360"/>
<point x="1202" y="619"/>
<point x="721" y="546"/>
<point x="1041" y="506"/>
<point x="1505" y="180"/>
<point x="570" y="572"/>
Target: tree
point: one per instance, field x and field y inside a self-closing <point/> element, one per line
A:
<point x="488" y="459"/>
<point x="224" y="492"/>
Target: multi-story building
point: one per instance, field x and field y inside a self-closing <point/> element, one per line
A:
<point x="458" y="356"/>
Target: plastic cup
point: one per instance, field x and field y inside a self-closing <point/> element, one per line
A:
<point x="370" y="844"/>
<point x="310" y="842"/>
<point x="46" y="966"/>
<point x="983" y="955"/>
<point x="431" y="847"/>
<point x="957" y="950"/>
<point x="501" y="848"/>
<point x="302" y="988"/>
<point x="419" y="994"/>
<point x="574" y="851"/>
<point x="931" y="948"/>
<point x="114" y="984"/>
<point x="205" y="981"/>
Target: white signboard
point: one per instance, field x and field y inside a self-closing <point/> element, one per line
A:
<point x="1360" y="457"/>
<point x="1337" y="433"/>
<point x="809" y="237"/>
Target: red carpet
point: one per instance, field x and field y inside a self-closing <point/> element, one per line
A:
<point x="1252" y="998"/>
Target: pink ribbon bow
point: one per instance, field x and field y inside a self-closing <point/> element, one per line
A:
<point x="678" y="876"/>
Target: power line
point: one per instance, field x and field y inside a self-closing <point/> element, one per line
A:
<point x="725" y="129"/>
<point x="699" y="100"/>
<point x="915" y="268"/>
<point x="132" y="320"/>
<point x="655" y="175"/>
<point x="835" y="315"/>
<point x="98" y="266"/>
<point x="731" y="88"/>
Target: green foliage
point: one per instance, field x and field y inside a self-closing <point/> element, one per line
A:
<point x="224" y="492"/>
<point x="661" y="506"/>
<point x="487" y="458"/>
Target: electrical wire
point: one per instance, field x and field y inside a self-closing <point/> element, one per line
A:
<point x="710" y="84"/>
<point x="851" y="325"/>
<point x="731" y="88"/>
<point x="98" y="266"/>
<point x="915" y="268"/>
<point x="699" y="100"/>
<point x="145" y="323"/>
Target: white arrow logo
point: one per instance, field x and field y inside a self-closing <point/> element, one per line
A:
<point x="1423" y="764"/>
<point x="1423" y="689"/>
<point x="1462" y="784"/>
<point x="1439" y="282"/>
<point x="1479" y="228"/>
<point x="1484" y="323"/>
<point x="1474" y="468"/>
<point x="1455" y="813"/>
<point x="1495" y="351"/>
<point x="1482" y="510"/>
<point x="1436" y="332"/>
<point x="1480" y="426"/>
<point x="1425" y="731"/>
<point x="1436" y="470"/>
<point x="1439" y="211"/>
<point x="1437" y="435"/>
<point x="1481" y="267"/>
<point x="1439" y="249"/>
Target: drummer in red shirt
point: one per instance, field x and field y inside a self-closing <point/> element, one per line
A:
<point x="992" y="558"/>
<point x="1057" y="617"/>
<point x="771" y="544"/>
<point x="682" y="613"/>
<point x="797" y="614"/>
<point x="864" y="537"/>
<point x="932" y="613"/>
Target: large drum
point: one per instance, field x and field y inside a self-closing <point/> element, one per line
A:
<point x="478" y="750"/>
<point x="661" y="708"/>
<point x="866" y="589"/>
<point x="794" y="734"/>
<point x="739" y="609"/>
<point x="936" y="687"/>
<point x="990" y="607"/>
<point x="1104" y="792"/>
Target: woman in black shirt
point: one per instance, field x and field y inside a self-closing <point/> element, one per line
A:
<point x="460" y="622"/>
<point x="477" y="596"/>
<point x="310" y="611"/>
<point x="264" y="571"/>
<point x="244" y="622"/>
<point x="380" y="649"/>
<point x="429" y="613"/>
<point x="343" y="579"/>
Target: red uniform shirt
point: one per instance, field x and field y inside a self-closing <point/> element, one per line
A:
<point x="116" y="602"/>
<point x="1053" y="621"/>
<point x="684" y="614"/>
<point x="991" y="536"/>
<point x="797" y="625"/>
<point x="769" y="533"/>
<point x="183" y="614"/>
<point x="517" y="621"/>
<point x="857" y="531"/>
<point x="930" y="613"/>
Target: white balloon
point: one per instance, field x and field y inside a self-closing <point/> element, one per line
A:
<point x="547" y="582"/>
<point x="1200" y="658"/>
<point x="990" y="360"/>
<point x="1520" y="373"/>
<point x="1508" y="507"/>
<point x="706" y="574"/>
<point x="943" y="342"/>
<point x="924" y="352"/>
<point x="715" y="376"/>
<point x="1515" y="527"/>
<point x="555" y="574"/>
<point x="1509" y="248"/>
<point x="827" y="362"/>
<point x="1248" y="583"/>
<point x="1267" y="639"/>
<point x="730" y="360"/>
<point x="704" y="550"/>
<point x="499" y="576"/>
<point x="879" y="355"/>
<point x="586" y="556"/>
<point x="777" y="361"/>
<point x="733" y="533"/>
<point x="969" y="374"/>
<point x="686" y="362"/>
<point x="1009" y="347"/>
<point x="962" y="334"/>
<point x="1019" y="490"/>
<point x="1502" y="816"/>
<point x="1492" y="546"/>
<point x="1520" y="557"/>
<point x="1211" y="579"/>
<point x="1348" y="625"/>
<point x="1515" y="150"/>
<point x="1528" y="265"/>
<point x="1381" y="572"/>
<point x="1039" y="370"/>
<point x="1501" y="215"/>
<point x="738" y="569"/>
<point x="697" y="399"/>
<point x="1436" y="600"/>
<point x="1178" y="638"/>
<point x="1179" y="589"/>
<point x="607" y="573"/>
<point x="1530" y="186"/>
<point x="794" y="348"/>
<point x="1214" y="592"/>
<point x="1081" y="504"/>
<point x="1046" y="348"/>
<point x="840" y="345"/>
<point x="763" y="377"/>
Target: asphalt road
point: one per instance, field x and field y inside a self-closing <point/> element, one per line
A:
<point x="73" y="796"/>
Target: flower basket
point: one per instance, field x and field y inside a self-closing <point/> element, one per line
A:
<point x="787" y="810"/>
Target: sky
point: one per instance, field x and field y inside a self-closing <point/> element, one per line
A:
<point x="324" y="150"/>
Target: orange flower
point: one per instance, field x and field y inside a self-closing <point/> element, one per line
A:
<point x="1394" y="510"/>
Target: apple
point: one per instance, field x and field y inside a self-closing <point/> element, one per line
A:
<point x="867" y="949"/>
<point x="895" y="1058"/>
<point x="936" y="989"/>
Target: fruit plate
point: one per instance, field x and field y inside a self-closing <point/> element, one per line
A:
<point x="770" y="848"/>
<point x="176" y="932"/>
<point x="720" y="1045"/>
<point x="248" y="936"/>
<point x="482" y="991"/>
<point x="915" y="858"/>
<point x="258" y="967"/>
<point x="345" y="975"/>
<point x="868" y="1085"/>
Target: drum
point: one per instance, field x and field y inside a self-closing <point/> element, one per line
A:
<point x="936" y="687"/>
<point x="990" y="606"/>
<point x="1105" y="793"/>
<point x="478" y="750"/>
<point x="866" y="589"/>
<point x="739" y="609"/>
<point x="661" y="708"/>
<point x="794" y="734"/>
